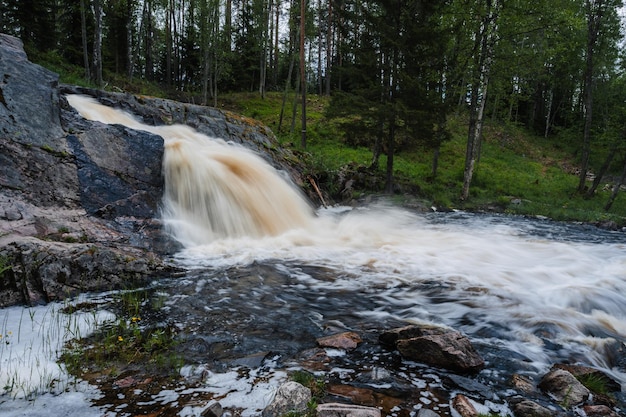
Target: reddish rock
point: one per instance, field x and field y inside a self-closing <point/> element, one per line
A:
<point x="464" y="406"/>
<point x="599" y="411"/>
<point x="346" y="341"/>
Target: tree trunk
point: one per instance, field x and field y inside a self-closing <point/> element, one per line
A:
<point x="302" y="71"/>
<point x="129" y="39"/>
<point x="287" y="85"/>
<point x="595" y="11"/>
<point x="83" y="28"/>
<point x="329" y="48"/>
<point x="605" y="167"/>
<point x="97" y="42"/>
<point x="616" y="188"/>
<point x="486" y="35"/>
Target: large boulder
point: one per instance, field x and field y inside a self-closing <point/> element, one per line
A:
<point x="78" y="200"/>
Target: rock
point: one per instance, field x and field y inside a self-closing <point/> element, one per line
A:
<point x="450" y="350"/>
<point x="586" y="372"/>
<point x="471" y="386"/>
<point x="290" y="397"/>
<point x="213" y="410"/>
<point x="43" y="271"/>
<point x="564" y="388"/>
<point x="464" y="406"/>
<point x="346" y="410"/>
<point x="522" y="383"/>
<point x="599" y="411"/>
<point x="345" y="341"/>
<point x="527" y="408"/>
<point x="389" y="338"/>
<point x="427" y="413"/>
<point x="29" y="111"/>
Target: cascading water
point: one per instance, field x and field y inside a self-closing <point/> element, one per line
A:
<point x="213" y="189"/>
<point x="534" y="288"/>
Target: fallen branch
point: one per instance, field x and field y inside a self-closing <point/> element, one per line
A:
<point x="319" y="193"/>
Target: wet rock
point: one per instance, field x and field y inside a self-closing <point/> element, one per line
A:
<point x="356" y="395"/>
<point x="290" y="397"/>
<point x="470" y="385"/>
<point x="464" y="406"/>
<point x="527" y="408"/>
<point x="252" y="361"/>
<point x="586" y="372"/>
<point x="427" y="413"/>
<point x="213" y="410"/>
<point x="314" y="359"/>
<point x="564" y="388"/>
<point x="345" y="341"/>
<point x="522" y="383"/>
<point x="44" y="271"/>
<point x="346" y="410"/>
<point x="599" y="411"/>
<point x="391" y="337"/>
<point x="450" y="350"/>
<point x="364" y="396"/>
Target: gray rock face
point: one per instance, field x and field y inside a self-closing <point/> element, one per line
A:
<point x="78" y="200"/>
<point x="291" y="397"/>
<point x="25" y="111"/>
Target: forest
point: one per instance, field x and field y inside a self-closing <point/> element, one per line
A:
<point x="393" y="70"/>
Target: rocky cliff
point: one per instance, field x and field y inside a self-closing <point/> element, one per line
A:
<point x="79" y="200"/>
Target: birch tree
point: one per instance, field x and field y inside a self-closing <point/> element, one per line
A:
<point x="486" y="36"/>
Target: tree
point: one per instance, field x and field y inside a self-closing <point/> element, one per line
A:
<point x="303" y="86"/>
<point x="486" y="36"/>
<point x="97" y="42"/>
<point x="600" y="14"/>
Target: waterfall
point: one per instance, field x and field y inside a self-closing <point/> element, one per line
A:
<point x="213" y="189"/>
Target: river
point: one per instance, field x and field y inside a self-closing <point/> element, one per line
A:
<point x="528" y="292"/>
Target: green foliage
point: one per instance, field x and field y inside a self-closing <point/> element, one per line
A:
<point x="596" y="383"/>
<point x="317" y="387"/>
<point x="518" y="173"/>
<point x="126" y="342"/>
<point x="5" y="264"/>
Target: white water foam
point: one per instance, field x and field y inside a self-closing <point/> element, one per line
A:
<point x="31" y="379"/>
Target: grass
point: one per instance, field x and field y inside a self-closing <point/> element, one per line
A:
<point x="518" y="172"/>
<point x="317" y="387"/>
<point x="126" y="342"/>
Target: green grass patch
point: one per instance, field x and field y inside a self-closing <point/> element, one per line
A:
<point x="126" y="342"/>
